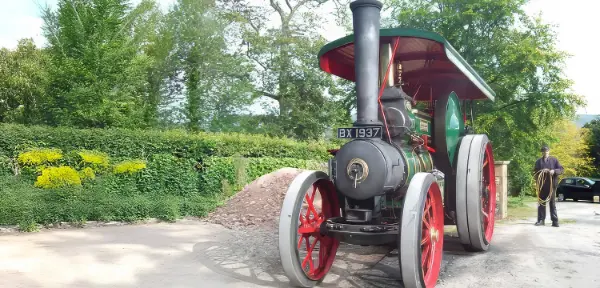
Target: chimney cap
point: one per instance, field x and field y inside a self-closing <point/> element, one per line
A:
<point x="361" y="3"/>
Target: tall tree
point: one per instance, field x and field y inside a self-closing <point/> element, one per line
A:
<point x="284" y="53"/>
<point x="23" y="83"/>
<point x="152" y="36"/>
<point x="215" y="81"/>
<point x="517" y="56"/>
<point x="98" y="76"/>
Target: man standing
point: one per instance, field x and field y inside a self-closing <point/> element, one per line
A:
<point x="549" y="168"/>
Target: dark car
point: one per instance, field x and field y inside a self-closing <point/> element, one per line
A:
<point x="578" y="188"/>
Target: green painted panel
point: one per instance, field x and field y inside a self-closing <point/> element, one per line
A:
<point x="454" y="126"/>
<point x="423" y="126"/>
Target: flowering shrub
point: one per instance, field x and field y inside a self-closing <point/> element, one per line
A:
<point x="39" y="156"/>
<point x="87" y="173"/>
<point x="129" y="166"/>
<point x="57" y="177"/>
<point x="94" y="158"/>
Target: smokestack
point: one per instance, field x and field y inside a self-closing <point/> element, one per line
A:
<point x="366" y="16"/>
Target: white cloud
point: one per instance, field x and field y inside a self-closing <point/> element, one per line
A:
<point x="574" y="20"/>
<point x="21" y="27"/>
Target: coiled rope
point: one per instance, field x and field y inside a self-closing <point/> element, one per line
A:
<point x="540" y="180"/>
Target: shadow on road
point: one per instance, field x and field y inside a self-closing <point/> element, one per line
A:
<point x="258" y="262"/>
<point x="355" y="266"/>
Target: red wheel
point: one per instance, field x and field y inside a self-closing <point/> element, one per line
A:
<point x="475" y="193"/>
<point x="306" y="255"/>
<point x="422" y="232"/>
<point x="488" y="197"/>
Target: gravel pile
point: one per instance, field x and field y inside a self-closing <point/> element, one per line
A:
<point x="258" y="204"/>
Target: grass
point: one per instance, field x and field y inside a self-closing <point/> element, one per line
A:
<point x="520" y="208"/>
<point x="28" y="207"/>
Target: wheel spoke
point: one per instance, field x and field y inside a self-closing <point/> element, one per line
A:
<point x="425" y="255"/>
<point x="427" y="215"/>
<point x="426" y="223"/>
<point x="311" y="206"/>
<point x="426" y="239"/>
<point x="308" y="254"/>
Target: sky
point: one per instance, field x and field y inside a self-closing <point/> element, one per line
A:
<point x="573" y="19"/>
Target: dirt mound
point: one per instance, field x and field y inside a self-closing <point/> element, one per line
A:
<point x="259" y="203"/>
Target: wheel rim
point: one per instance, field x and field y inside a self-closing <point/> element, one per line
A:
<point x="316" y="252"/>
<point x="488" y="195"/>
<point x="432" y="236"/>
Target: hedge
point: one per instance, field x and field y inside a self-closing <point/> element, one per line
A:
<point x="167" y="188"/>
<point x="127" y="175"/>
<point x="142" y="143"/>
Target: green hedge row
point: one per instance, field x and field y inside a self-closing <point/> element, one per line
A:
<point x="185" y="174"/>
<point x="168" y="188"/>
<point x="142" y="143"/>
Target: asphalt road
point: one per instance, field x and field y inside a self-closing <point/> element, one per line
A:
<point x="195" y="254"/>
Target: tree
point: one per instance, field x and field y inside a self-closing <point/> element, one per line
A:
<point x="571" y="149"/>
<point x="287" y="68"/>
<point x="23" y="82"/>
<point x="593" y="142"/>
<point x="215" y="82"/>
<point x="518" y="58"/>
<point x="98" y="77"/>
<point x="154" y="39"/>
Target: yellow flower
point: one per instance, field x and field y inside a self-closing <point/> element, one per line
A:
<point x="56" y="177"/>
<point x="39" y="156"/>
<point x="94" y="158"/>
<point x="87" y="173"/>
<point x="129" y="166"/>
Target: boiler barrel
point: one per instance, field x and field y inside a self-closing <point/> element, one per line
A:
<point x="415" y="163"/>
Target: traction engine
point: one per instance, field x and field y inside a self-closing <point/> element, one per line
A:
<point x="410" y="166"/>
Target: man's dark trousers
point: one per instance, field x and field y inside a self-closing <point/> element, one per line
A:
<point x="542" y="206"/>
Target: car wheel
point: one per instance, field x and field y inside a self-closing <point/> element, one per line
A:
<point x="561" y="197"/>
<point x="575" y="199"/>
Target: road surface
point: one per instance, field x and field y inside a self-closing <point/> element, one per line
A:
<point x="196" y="254"/>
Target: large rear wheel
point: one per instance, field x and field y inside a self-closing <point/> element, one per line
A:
<point x="475" y="193"/>
<point x="306" y="255"/>
<point x="421" y="233"/>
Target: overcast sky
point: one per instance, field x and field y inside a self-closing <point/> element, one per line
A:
<point x="21" y="19"/>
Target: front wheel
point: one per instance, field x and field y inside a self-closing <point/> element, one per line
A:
<point x="561" y="197"/>
<point x="421" y="233"/>
<point x="307" y="255"/>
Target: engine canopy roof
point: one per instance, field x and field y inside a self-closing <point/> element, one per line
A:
<point x="430" y="65"/>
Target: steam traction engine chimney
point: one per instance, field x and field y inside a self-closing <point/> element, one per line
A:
<point x="366" y="16"/>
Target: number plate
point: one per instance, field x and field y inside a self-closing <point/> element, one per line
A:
<point x="360" y="132"/>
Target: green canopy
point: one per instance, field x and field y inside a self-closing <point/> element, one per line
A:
<point x="430" y="65"/>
